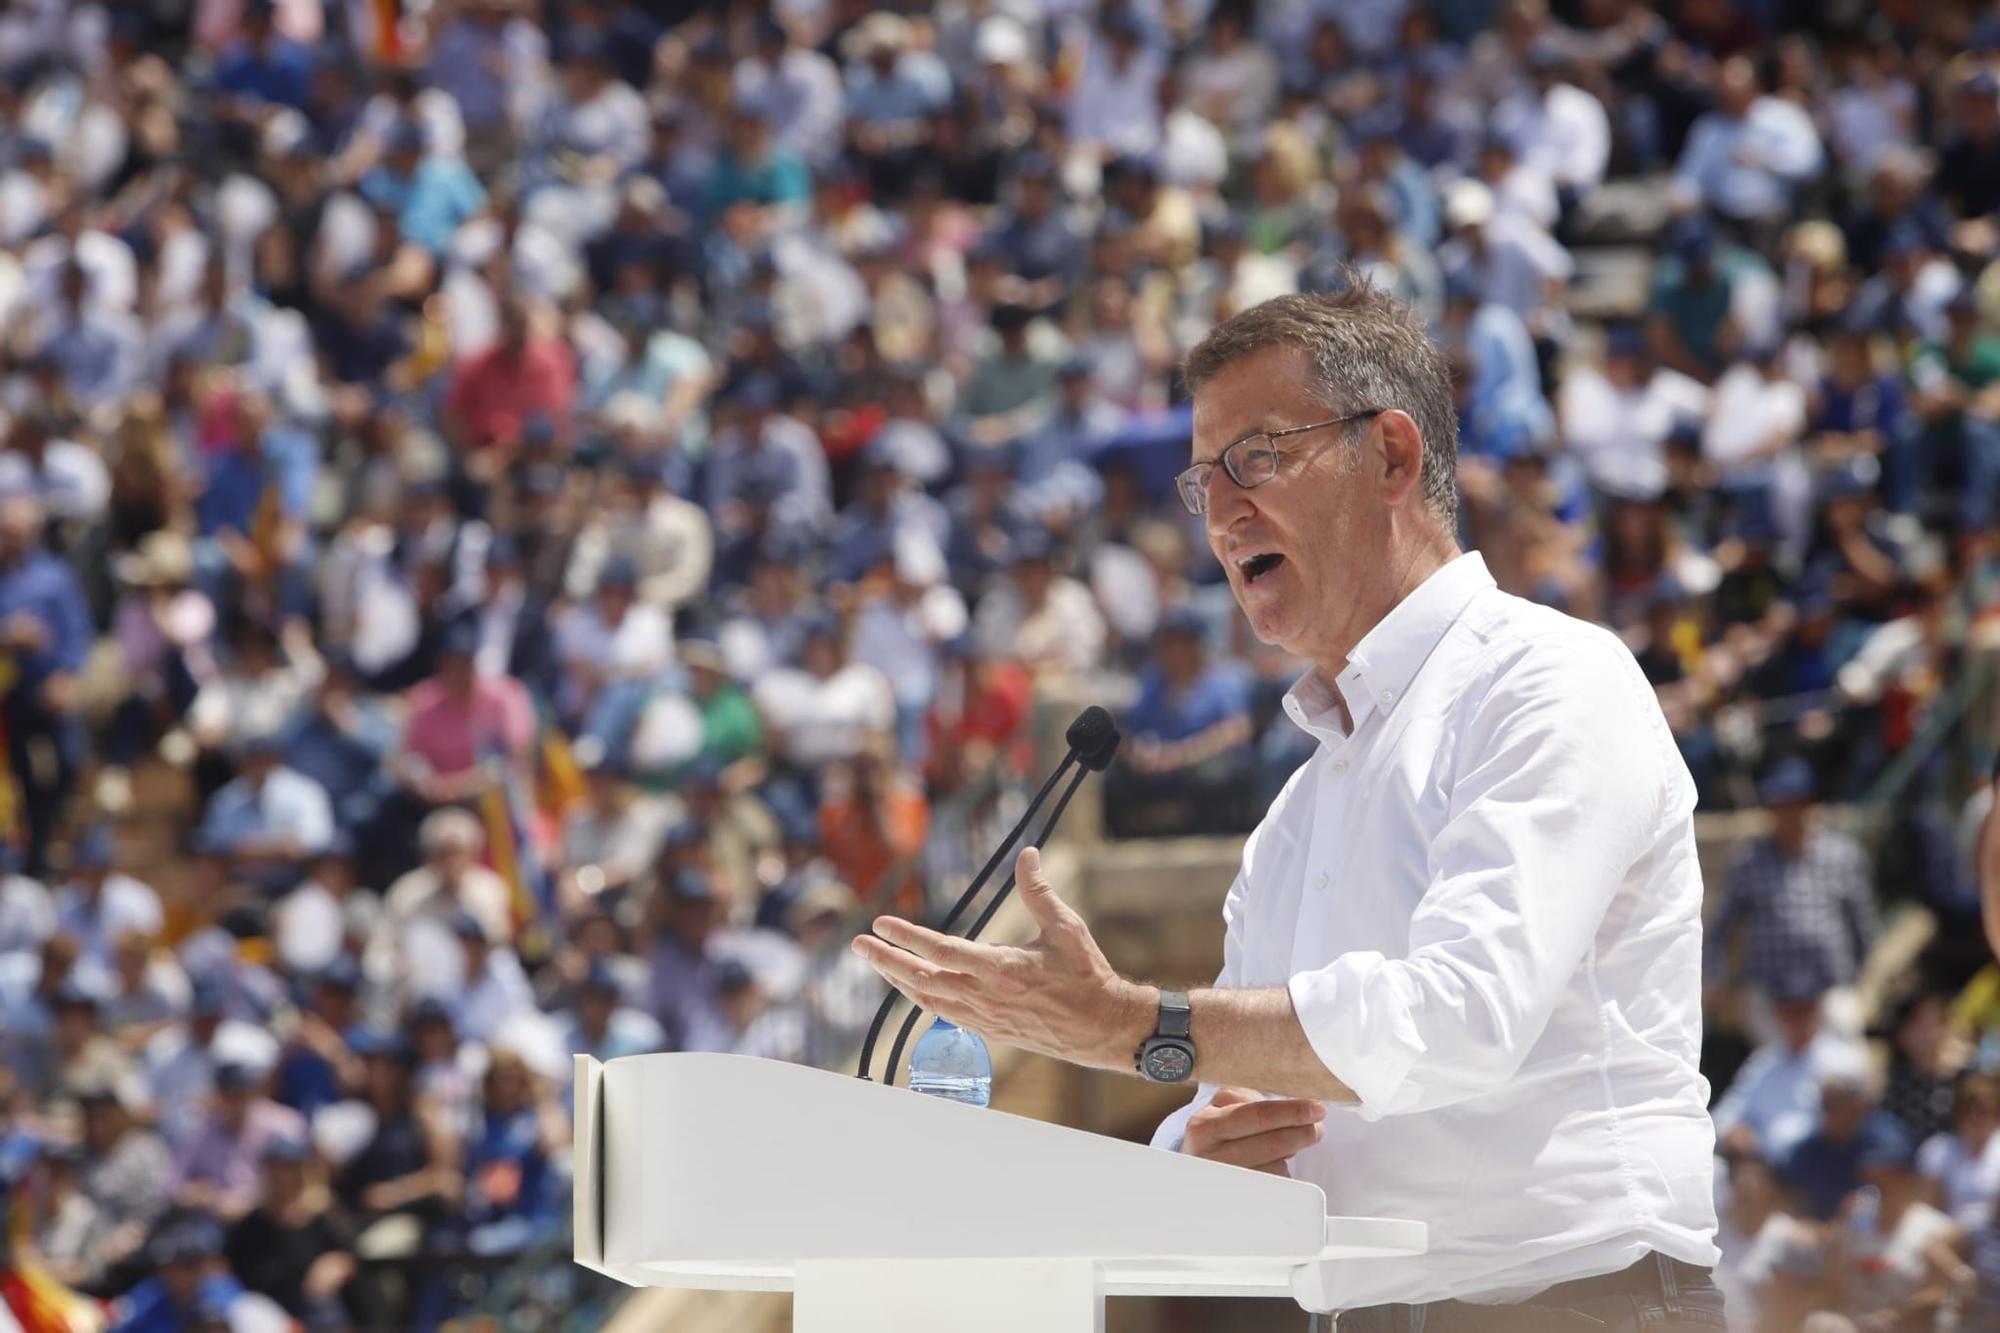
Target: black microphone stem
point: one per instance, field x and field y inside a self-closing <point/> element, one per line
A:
<point x="910" y="1022"/>
<point x="979" y="881"/>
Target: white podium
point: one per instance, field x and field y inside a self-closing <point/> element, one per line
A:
<point x="886" y="1211"/>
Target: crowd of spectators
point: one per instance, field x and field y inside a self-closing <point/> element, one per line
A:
<point x="557" y="508"/>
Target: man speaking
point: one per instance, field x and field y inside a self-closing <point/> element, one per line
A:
<point x="1462" y="962"/>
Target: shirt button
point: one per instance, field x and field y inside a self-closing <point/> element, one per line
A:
<point x="1322" y="880"/>
<point x="1340" y="765"/>
<point x="1387" y="695"/>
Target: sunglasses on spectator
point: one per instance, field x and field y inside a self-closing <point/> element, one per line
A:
<point x="1250" y="461"/>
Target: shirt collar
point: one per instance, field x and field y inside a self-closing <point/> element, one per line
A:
<point x="1383" y="664"/>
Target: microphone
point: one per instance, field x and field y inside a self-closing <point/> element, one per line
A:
<point x="1091" y="734"/>
<point x="1104" y="744"/>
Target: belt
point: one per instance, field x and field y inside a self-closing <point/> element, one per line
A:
<point x="1654" y="1274"/>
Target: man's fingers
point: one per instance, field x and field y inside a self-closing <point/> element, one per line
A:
<point x="1233" y="1097"/>
<point x="962" y="955"/>
<point x="1262" y="1116"/>
<point x="1262" y="1150"/>
<point x="1037" y="894"/>
<point x="902" y="969"/>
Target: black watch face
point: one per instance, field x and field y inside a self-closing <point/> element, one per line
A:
<point x="1169" y="1064"/>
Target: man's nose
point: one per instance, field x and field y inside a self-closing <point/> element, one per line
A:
<point x="1228" y="503"/>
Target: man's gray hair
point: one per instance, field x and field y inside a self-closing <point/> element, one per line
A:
<point x="1368" y="351"/>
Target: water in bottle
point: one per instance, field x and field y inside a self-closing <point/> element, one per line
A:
<point x="951" y="1062"/>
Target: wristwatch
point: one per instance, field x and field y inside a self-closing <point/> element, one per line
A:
<point x="1168" y="1055"/>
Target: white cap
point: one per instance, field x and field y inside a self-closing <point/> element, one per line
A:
<point x="1468" y="203"/>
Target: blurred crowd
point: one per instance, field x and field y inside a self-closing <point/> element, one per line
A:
<point x="520" y="523"/>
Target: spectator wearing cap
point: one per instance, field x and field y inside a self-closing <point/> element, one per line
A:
<point x="127" y="1168"/>
<point x="796" y="88"/>
<point x="266" y="677"/>
<point x="903" y="611"/>
<point x="1052" y="471"/>
<point x="45" y="629"/>
<point x="268" y="820"/>
<point x="1772" y="1102"/>
<point x="180" y="1061"/>
<point x="1232" y="79"/>
<point x="1899" y="1267"/>
<point x="1957" y="379"/>
<point x="1961" y="1162"/>
<point x="611" y="651"/>
<point x="513" y="1192"/>
<point x="45" y="458"/>
<point x="188" y="1289"/>
<point x="601" y="1024"/>
<point x="1034" y="235"/>
<point x="97" y="351"/>
<point x="892" y="91"/>
<point x="145" y="990"/>
<point x="1556" y="129"/>
<point x="99" y="902"/>
<point x="494" y="992"/>
<point x="765" y="446"/>
<point x="1748" y="158"/>
<point x="342" y="741"/>
<point x="1042" y="618"/>
<point x="315" y="1066"/>
<point x="1968" y="169"/>
<point x="1189" y="761"/>
<point x="430" y="194"/>
<point x="1011" y="389"/>
<point x="458" y="722"/>
<point x="886" y="518"/>
<point x="1502" y="254"/>
<point x="65" y="1227"/>
<point x="217" y="1169"/>
<point x="685" y="919"/>
<point x="293" y="1246"/>
<point x="611" y="836"/>
<point x="449" y="882"/>
<point x="1626" y="407"/>
<point x="1114" y="102"/>
<point x="1861" y="408"/>
<point x="330" y="909"/>
<point x="668" y="539"/>
<point x="407" y="1168"/>
<point x="1798" y="897"/>
<point x="826" y="709"/>
<point x="1823" y="1169"/>
<point x="1707" y="298"/>
<point x="588" y="136"/>
<point x="730" y="726"/>
<point x="446" y="1086"/>
<point x="757" y="172"/>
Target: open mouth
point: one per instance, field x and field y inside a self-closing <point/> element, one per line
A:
<point x="1257" y="566"/>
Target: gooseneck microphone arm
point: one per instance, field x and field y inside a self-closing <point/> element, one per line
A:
<point x="1096" y="761"/>
<point x="1087" y="738"/>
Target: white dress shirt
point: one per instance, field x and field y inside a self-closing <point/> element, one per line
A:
<point x="1485" y="903"/>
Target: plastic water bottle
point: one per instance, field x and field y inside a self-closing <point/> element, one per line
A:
<point x="951" y="1062"/>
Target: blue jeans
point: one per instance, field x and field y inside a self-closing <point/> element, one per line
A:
<point x="1665" y="1299"/>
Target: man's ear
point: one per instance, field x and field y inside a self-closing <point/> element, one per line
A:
<point x="1401" y="455"/>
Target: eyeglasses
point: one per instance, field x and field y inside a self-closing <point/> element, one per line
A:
<point x="1250" y="461"/>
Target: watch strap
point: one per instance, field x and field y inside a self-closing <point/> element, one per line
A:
<point x="1175" y="1014"/>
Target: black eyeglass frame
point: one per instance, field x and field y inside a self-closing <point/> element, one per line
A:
<point x="1192" y="482"/>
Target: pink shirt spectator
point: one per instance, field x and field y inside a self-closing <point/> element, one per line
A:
<point x="450" y="734"/>
<point x="495" y="394"/>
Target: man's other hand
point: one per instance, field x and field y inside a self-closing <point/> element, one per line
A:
<point x="1245" y="1128"/>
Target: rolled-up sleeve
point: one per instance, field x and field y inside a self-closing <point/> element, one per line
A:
<point x="1564" y="772"/>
